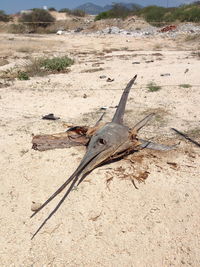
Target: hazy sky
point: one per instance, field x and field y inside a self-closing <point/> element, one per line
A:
<point x="13" y="6"/>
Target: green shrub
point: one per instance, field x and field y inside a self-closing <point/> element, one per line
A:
<point x="38" y="67"/>
<point x="185" y="85"/>
<point x="153" y="87"/>
<point x="4" y="17"/>
<point x="22" y="75"/>
<point x="37" y="18"/>
<point x="56" y="64"/>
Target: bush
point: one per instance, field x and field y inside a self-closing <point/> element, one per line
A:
<point x="51" y="9"/>
<point x="56" y="64"/>
<point x="185" y="85"/>
<point x="22" y="75"/>
<point x="37" y="18"/>
<point x="153" y="87"/>
<point x="117" y="11"/>
<point x="38" y="67"/>
<point x="4" y="17"/>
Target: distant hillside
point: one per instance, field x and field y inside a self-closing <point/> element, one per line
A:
<point x="93" y="9"/>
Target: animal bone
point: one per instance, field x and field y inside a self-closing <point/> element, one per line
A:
<point x="112" y="141"/>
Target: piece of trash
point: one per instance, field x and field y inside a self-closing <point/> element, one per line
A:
<point x="168" y="28"/>
<point x="165" y="74"/>
<point x="50" y="116"/>
<point x="136" y="62"/>
<point x="102" y="76"/>
<point x="35" y="206"/>
<point x="60" y="32"/>
<point x="103" y="108"/>
<point x="109" y="80"/>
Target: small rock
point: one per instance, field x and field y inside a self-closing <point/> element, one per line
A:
<point x="136" y="62"/>
<point x="85" y="96"/>
<point x="103" y="108"/>
<point x="109" y="80"/>
<point x="79" y="29"/>
<point x="186" y="70"/>
<point x="102" y="76"/>
<point x="149" y="61"/>
<point x="50" y="116"/>
<point x="60" y="32"/>
<point x="35" y="206"/>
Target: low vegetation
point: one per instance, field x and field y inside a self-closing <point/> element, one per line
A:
<point x="185" y="85"/>
<point x="39" y="67"/>
<point x="153" y="87"/>
<point x="57" y="64"/>
<point x="22" y="75"/>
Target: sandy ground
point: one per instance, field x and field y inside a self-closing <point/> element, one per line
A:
<point x="105" y="221"/>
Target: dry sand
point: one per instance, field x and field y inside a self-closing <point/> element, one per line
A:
<point x="106" y="221"/>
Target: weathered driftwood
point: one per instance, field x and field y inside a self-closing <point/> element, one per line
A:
<point x="76" y="136"/>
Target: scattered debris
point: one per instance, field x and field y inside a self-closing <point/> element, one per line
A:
<point x="173" y="165"/>
<point x="50" y="116"/>
<point x="79" y="29"/>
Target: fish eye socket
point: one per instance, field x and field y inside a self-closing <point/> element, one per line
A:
<point x="102" y="141"/>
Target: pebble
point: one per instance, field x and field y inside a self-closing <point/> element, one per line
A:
<point x="35" y="206"/>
